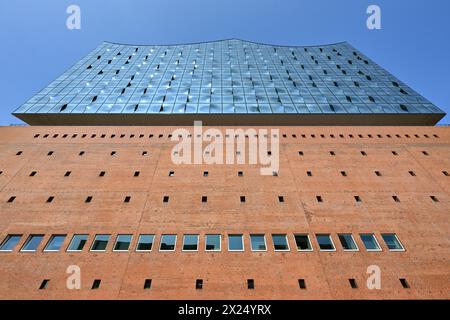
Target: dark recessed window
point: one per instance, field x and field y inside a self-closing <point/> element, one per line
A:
<point x="378" y="173"/>
<point x="11" y="199"/>
<point x="302" y="283"/>
<point x="300" y="153"/>
<point x="81" y="153"/>
<point x="171" y="173"/>
<point x="395" y="153"/>
<point x="88" y="199"/>
<point x="204" y="199"/>
<point x="319" y="199"/>
<point x="96" y="284"/>
<point x="404" y="283"/>
<point x="44" y="284"/>
<point x="199" y="284"/>
<point x="434" y="199"/>
<point x="113" y="153"/>
<point x="205" y="173"/>
<point x="240" y="173"/>
<point x="33" y="173"/>
<point x="136" y="173"/>
<point x="67" y="173"/>
<point x="309" y="173"/>
<point x="166" y="199"/>
<point x="343" y="173"/>
<point x="353" y="283"/>
<point x="19" y="153"/>
<point x="242" y="198"/>
<point x="358" y="199"/>
<point x="445" y="173"/>
<point x="412" y="173"/>
<point x="274" y="174"/>
<point x="50" y="199"/>
<point x="50" y="153"/>
<point x="250" y="284"/>
<point x="147" y="284"/>
<point x="127" y="199"/>
<point x="363" y="153"/>
<point x="144" y="153"/>
<point x="280" y="199"/>
<point x="102" y="174"/>
<point x="396" y="199"/>
<point x="425" y="153"/>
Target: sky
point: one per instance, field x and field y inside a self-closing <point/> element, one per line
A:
<point x="36" y="46"/>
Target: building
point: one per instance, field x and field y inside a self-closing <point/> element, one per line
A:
<point x="362" y="185"/>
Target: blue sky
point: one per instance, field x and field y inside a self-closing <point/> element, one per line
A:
<point x="36" y="46"/>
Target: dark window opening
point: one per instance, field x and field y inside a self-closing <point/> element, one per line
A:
<point x="358" y="199"/>
<point x="280" y="199"/>
<point x="353" y="283"/>
<point x="50" y="153"/>
<point x="205" y="173"/>
<point x="309" y="173"/>
<point x="166" y="199"/>
<point x="425" y="153"/>
<point x="44" y="284"/>
<point x="242" y="198"/>
<point x="396" y="199"/>
<point x="96" y="284"/>
<point x="81" y="153"/>
<point x="33" y="173"/>
<point x="240" y="174"/>
<point x="113" y="153"/>
<point x="343" y="173"/>
<point x="412" y="173"/>
<point x="332" y="153"/>
<point x="67" y="173"/>
<point x="445" y="173"/>
<point x="136" y="173"/>
<point x="302" y="283"/>
<point x="434" y="199"/>
<point x="319" y="199"/>
<point x="199" y="284"/>
<point x="300" y="153"/>
<point x="363" y="153"/>
<point x="127" y="199"/>
<point x="50" y="199"/>
<point x="204" y="199"/>
<point x="378" y="173"/>
<point x="19" y="153"/>
<point x="250" y="284"/>
<point x="11" y="199"/>
<point x="404" y="283"/>
<point x="395" y="153"/>
<point x="147" y="284"/>
<point x="102" y="174"/>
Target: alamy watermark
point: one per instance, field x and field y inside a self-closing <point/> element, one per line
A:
<point x="374" y="20"/>
<point x="240" y="146"/>
<point x="74" y="19"/>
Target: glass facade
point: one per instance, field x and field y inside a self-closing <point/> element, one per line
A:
<point x="226" y="77"/>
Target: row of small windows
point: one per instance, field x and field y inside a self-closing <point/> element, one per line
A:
<point x="213" y="242"/>
<point x="94" y="135"/>
<point x="204" y="199"/>
<point x="239" y="173"/>
<point x="199" y="284"/>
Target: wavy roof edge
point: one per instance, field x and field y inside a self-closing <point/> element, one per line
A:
<point x="222" y="40"/>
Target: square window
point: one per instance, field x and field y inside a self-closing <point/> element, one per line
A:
<point x="258" y="242"/>
<point x="32" y="243"/>
<point x="145" y="242"/>
<point x="392" y="242"/>
<point x="303" y="243"/>
<point x="102" y="174"/>
<point x="325" y="242"/>
<point x="205" y="173"/>
<point x="171" y="173"/>
<point x="55" y="243"/>
<point x="235" y="242"/>
<point x="190" y="242"/>
<point x="370" y="242"/>
<point x="147" y="284"/>
<point x="127" y="199"/>
<point x="280" y="242"/>
<point x="240" y="174"/>
<point x="213" y="242"/>
<point x="123" y="242"/>
<point x="78" y="242"/>
<point x="100" y="242"/>
<point x="347" y="242"/>
<point x="10" y="242"/>
<point x="168" y="242"/>
<point x="280" y="199"/>
<point x="166" y="199"/>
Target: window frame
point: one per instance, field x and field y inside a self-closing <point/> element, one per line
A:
<point x="7" y="238"/>
<point x="220" y="242"/>
<point x="353" y="239"/>
<point x="376" y="241"/>
<point x="285" y="238"/>
<point x="309" y="241"/>
<point x="93" y="241"/>
<point x="243" y="242"/>
<point x="71" y="241"/>
<point x="198" y="242"/>
<point x="331" y="239"/>
<point x="398" y="240"/>
<point x="174" y="244"/>
<point x="27" y="241"/>
<point x="52" y="237"/>
<point x="139" y="238"/>
<point x="265" y="242"/>
<point x="117" y="238"/>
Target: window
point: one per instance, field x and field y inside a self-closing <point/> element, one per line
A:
<point x="347" y="242"/>
<point x="303" y="243"/>
<point x="190" y="242"/>
<point x="205" y="173"/>
<point x="213" y="242"/>
<point x="370" y="242"/>
<point x="378" y="173"/>
<point x="332" y="153"/>
<point x="55" y="242"/>
<point x="171" y="173"/>
<point x="204" y="199"/>
<point x="240" y="174"/>
<point x="32" y="243"/>
<point x="67" y="173"/>
<point x="392" y="242"/>
<point x="113" y="153"/>
<point x="425" y="153"/>
<point x="166" y="199"/>
<point x="123" y="242"/>
<point x="395" y="153"/>
<point x="434" y="199"/>
<point x="396" y="199"/>
<point x="81" y="153"/>
<point x="300" y="153"/>
<point x="302" y="283"/>
<point x="325" y="242"/>
<point x="10" y="242"/>
<point x="44" y="284"/>
<point x="309" y="173"/>
<point x="363" y="153"/>
<point x="319" y="198"/>
<point x="18" y="153"/>
<point x="147" y="284"/>
<point x="358" y="199"/>
<point x="343" y="173"/>
<point x="445" y="173"/>
<point x="50" y="153"/>
<point x="96" y="284"/>
<point x="199" y="284"/>
<point x="412" y="173"/>
<point x="353" y="283"/>
<point x="280" y="199"/>
<point x="404" y="283"/>
<point x="33" y="173"/>
<point x="235" y="242"/>
<point x="242" y="198"/>
<point x="145" y="242"/>
<point x="250" y="284"/>
<point x="78" y="242"/>
<point x="280" y="242"/>
<point x="100" y="242"/>
<point x="50" y="199"/>
<point x="88" y="199"/>
<point x="168" y="242"/>
<point x="136" y="173"/>
<point x="258" y="242"/>
<point x="102" y="174"/>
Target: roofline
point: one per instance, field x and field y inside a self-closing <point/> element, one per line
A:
<point x="212" y="41"/>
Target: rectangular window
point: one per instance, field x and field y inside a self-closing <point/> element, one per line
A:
<point x="44" y="284"/>
<point x="325" y="242"/>
<point x="370" y="242"/>
<point x="32" y="242"/>
<point x="96" y="284"/>
<point x="10" y="242"/>
<point x="123" y="242"/>
<point x="78" y="242"/>
<point x="190" y="242"/>
<point x="168" y="242"/>
<point x="347" y="242"/>
<point x="258" y="242"/>
<point x="392" y="242"/>
<point x="213" y="242"/>
<point x="55" y="242"/>
<point x="148" y="284"/>
<point x="145" y="242"/>
<point x="302" y="283"/>
<point x="280" y="242"/>
<point x="303" y="243"/>
<point x="100" y="242"/>
<point x="235" y="242"/>
<point x="250" y="284"/>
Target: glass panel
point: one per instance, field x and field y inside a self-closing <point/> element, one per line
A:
<point x="280" y="242"/>
<point x="145" y="242"/>
<point x="78" y="242"/>
<point x="235" y="242"/>
<point x="347" y="242"/>
<point x="123" y="242"/>
<point x="55" y="243"/>
<point x="168" y="242"/>
<point x="302" y="242"/>
<point x="324" y="241"/>
<point x="370" y="242"/>
<point x="32" y="243"/>
<point x="213" y="242"/>
<point x="10" y="242"/>
<point x="392" y="241"/>
<point x="258" y="242"/>
<point x="190" y="242"/>
<point x="100" y="242"/>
